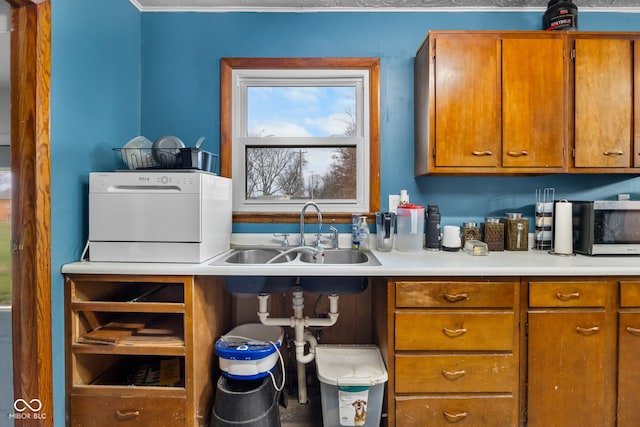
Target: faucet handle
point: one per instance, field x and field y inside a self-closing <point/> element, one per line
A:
<point x="285" y="242"/>
<point x="334" y="237"/>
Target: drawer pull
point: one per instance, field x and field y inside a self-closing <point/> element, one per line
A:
<point x="456" y="297"/>
<point x="518" y="153"/>
<point x="588" y="331"/>
<point x="568" y="297"/>
<point x="453" y="375"/>
<point x="453" y="333"/>
<point x="482" y="153"/>
<point x="454" y="418"/>
<point x="633" y="331"/>
<point x="614" y="153"/>
<point x="127" y="414"/>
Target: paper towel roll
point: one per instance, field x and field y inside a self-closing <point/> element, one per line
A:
<point x="563" y="243"/>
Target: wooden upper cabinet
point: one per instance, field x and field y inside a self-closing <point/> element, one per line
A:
<point x="533" y="103"/>
<point x="604" y="84"/>
<point x="527" y="102"/>
<point x="467" y="104"/>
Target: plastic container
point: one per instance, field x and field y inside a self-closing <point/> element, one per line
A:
<point x="560" y="15"/>
<point x="249" y="351"/>
<point x="410" y="221"/>
<point x="246" y="403"/>
<point x="352" y="381"/>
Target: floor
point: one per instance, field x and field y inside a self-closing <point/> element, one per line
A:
<point x="299" y="415"/>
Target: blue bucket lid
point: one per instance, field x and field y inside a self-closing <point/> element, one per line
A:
<point x="244" y="349"/>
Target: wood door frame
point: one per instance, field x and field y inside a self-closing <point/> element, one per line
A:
<point x="30" y="206"/>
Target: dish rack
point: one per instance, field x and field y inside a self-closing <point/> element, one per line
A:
<point x="165" y="158"/>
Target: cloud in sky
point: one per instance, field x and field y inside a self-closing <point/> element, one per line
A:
<point x="319" y="111"/>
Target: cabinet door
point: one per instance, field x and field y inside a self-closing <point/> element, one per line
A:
<point x="566" y="369"/>
<point x="467" y="102"/>
<point x="533" y="103"/>
<point x="603" y="103"/>
<point x="628" y="372"/>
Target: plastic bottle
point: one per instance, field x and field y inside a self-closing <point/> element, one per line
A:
<point x="404" y="197"/>
<point x="363" y="234"/>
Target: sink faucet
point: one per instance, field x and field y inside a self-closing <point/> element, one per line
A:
<point x="304" y="208"/>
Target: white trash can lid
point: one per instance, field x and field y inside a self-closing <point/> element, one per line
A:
<point x="350" y="365"/>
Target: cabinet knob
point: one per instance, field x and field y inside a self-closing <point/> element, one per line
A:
<point x="587" y="331"/>
<point x="633" y="331"/>
<point x="454" y="418"/>
<point x="482" y="153"/>
<point x="127" y="414"/>
<point x="614" y="153"/>
<point x="453" y="375"/>
<point x="518" y="153"/>
<point x="453" y="333"/>
<point x="568" y="297"/>
<point x="456" y="297"/>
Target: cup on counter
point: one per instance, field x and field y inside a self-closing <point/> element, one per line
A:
<point x="385" y="227"/>
<point x="451" y="238"/>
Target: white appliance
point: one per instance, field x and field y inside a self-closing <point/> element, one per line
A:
<point x="158" y="216"/>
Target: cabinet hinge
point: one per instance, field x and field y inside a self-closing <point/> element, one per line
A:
<point x="573" y="152"/>
<point x="572" y="54"/>
<point x="433" y="151"/>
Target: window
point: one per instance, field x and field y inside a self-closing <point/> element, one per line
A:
<point x="295" y="130"/>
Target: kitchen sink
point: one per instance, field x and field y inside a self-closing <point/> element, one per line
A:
<point x="299" y="259"/>
<point x="257" y="256"/>
<point x="340" y="256"/>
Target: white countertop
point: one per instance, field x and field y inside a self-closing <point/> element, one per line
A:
<point x="394" y="263"/>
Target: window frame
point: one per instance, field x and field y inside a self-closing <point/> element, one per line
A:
<point x="372" y="65"/>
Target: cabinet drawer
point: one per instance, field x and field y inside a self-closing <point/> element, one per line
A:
<point x="567" y="294"/>
<point x="460" y="330"/>
<point x="455" y="374"/>
<point x="464" y="411"/>
<point x="450" y="294"/>
<point x="99" y="410"/>
<point x="629" y="294"/>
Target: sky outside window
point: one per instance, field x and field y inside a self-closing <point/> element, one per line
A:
<point x="300" y="111"/>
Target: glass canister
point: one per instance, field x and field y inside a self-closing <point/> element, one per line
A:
<point x="494" y="234"/>
<point x="517" y="232"/>
<point x="470" y="231"/>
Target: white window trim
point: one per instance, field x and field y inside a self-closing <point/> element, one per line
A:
<point x="241" y="78"/>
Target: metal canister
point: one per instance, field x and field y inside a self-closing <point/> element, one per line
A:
<point x="494" y="234"/>
<point x="517" y="232"/>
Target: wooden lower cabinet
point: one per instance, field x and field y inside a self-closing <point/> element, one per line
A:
<point x="453" y="354"/>
<point x="140" y="349"/>
<point x="628" y="353"/>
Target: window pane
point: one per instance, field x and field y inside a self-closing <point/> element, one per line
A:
<point x="275" y="173"/>
<point x="295" y="111"/>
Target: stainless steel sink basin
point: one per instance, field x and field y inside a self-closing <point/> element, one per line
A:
<point x="299" y="259"/>
<point x="340" y="256"/>
<point x="257" y="256"/>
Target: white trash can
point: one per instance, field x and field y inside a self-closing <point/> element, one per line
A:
<point x="352" y="381"/>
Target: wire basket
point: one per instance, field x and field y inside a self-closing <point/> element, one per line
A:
<point x="165" y="158"/>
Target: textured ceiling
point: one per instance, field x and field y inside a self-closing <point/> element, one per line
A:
<point x="301" y="5"/>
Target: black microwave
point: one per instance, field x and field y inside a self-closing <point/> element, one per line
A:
<point x="606" y="227"/>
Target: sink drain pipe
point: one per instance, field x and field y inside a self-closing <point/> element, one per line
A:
<point x="299" y="322"/>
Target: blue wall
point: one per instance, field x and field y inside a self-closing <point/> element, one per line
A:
<point x="95" y="105"/>
<point x="117" y="73"/>
<point x="181" y="91"/>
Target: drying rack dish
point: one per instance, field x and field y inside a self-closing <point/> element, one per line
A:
<point x="165" y="158"/>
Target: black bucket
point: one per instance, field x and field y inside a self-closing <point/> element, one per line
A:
<point x="560" y="15"/>
<point x="244" y="403"/>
